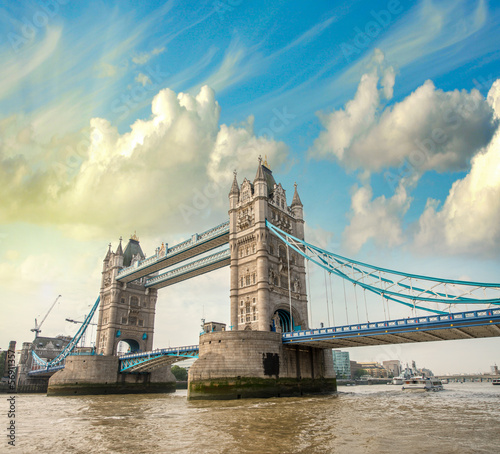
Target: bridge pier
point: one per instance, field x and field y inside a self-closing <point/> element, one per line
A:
<point x="100" y="375"/>
<point x="256" y="364"/>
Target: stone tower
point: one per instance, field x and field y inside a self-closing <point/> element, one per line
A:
<point x="127" y="311"/>
<point x="266" y="278"/>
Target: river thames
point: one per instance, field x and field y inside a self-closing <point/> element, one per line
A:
<point x="464" y="418"/>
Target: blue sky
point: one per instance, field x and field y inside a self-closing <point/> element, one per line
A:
<point x="117" y="117"/>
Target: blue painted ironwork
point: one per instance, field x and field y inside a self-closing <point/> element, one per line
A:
<point x="397" y="286"/>
<point x="147" y="361"/>
<point x="71" y="345"/>
<point x="205" y="263"/>
<point x="432" y="322"/>
<point x="194" y="241"/>
<point x="47" y="370"/>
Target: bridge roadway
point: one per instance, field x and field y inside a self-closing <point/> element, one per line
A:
<point x="458" y="325"/>
<point x="196" y="245"/>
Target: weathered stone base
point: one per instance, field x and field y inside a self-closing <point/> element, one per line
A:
<point x="99" y="375"/>
<point x="110" y="388"/>
<point x="244" y="364"/>
<point x="242" y="388"/>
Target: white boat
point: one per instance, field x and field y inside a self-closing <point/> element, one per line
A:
<point x="496" y="381"/>
<point x="422" y="383"/>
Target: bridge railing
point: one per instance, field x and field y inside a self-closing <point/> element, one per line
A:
<point x="160" y="351"/>
<point x="209" y="234"/>
<point x="393" y="323"/>
<point x="197" y="264"/>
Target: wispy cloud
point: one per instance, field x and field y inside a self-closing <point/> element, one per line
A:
<point x="14" y="70"/>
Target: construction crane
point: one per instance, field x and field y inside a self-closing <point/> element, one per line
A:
<point x="37" y="327"/>
<point x="82" y="339"/>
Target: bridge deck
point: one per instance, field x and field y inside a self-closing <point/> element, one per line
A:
<point x="136" y="363"/>
<point x="196" y="245"/>
<point x="192" y="269"/>
<point x="461" y="325"/>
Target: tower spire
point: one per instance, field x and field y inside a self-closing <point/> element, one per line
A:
<point x="296" y="199"/>
<point x="260" y="172"/>
<point x="119" y="251"/>
<point x="235" y="190"/>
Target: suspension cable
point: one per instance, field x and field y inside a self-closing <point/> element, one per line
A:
<point x="331" y="297"/>
<point x="356" y="298"/>
<point x="289" y="288"/>
<point x="366" y="308"/>
<point x="310" y="296"/>
<point x="327" y="307"/>
<point x="345" y="302"/>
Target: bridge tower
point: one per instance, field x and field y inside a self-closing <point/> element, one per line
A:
<point x="267" y="296"/>
<point x="267" y="280"/>
<point x="127" y="311"/>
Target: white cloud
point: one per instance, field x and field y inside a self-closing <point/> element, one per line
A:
<point x="469" y="220"/>
<point x="376" y="219"/>
<point x="144" y="57"/>
<point x="100" y="181"/>
<point x="429" y="129"/>
<point x="143" y="79"/>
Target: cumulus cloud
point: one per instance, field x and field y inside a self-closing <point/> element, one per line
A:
<point x="469" y="220"/>
<point x="376" y="219"/>
<point x="99" y="180"/>
<point x="429" y="129"/>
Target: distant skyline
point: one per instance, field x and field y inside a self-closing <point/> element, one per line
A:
<point x="123" y="117"/>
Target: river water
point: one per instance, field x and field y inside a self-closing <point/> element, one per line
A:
<point x="464" y="418"/>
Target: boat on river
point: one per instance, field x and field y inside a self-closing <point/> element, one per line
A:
<point x="496" y="381"/>
<point x="422" y="384"/>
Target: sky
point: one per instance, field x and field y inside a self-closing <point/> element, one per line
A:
<point x="123" y="117"/>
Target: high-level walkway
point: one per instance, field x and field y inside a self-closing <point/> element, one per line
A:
<point x="196" y="245"/>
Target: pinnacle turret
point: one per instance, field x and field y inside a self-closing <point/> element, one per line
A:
<point x="260" y="172"/>
<point x="119" y="251"/>
<point x="235" y="190"/>
<point x="296" y="199"/>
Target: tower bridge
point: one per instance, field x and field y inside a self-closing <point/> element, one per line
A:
<point x="269" y="349"/>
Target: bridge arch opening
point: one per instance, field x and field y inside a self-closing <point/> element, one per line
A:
<point x="285" y="323"/>
<point x="127" y="346"/>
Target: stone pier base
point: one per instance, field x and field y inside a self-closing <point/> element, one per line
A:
<point x="99" y="375"/>
<point x="242" y="364"/>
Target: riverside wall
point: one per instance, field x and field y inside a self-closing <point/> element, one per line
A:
<point x="241" y="364"/>
<point x="100" y="375"/>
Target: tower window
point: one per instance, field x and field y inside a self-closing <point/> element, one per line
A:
<point x="134" y="301"/>
<point x="124" y="320"/>
<point x="141" y="322"/>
